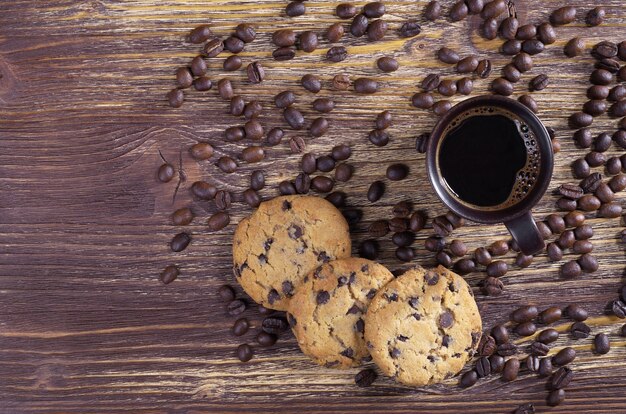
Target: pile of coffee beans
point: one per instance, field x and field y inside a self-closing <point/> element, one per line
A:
<point x="566" y="232"/>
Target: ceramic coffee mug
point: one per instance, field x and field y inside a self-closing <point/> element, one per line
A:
<point x="490" y="161"/>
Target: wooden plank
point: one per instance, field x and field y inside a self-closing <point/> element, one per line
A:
<point x="85" y="324"/>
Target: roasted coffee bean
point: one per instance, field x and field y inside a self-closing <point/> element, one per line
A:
<point x="358" y="27"/>
<point x="467" y="64"/>
<point x="236" y="307"/>
<point x="284" y="37"/>
<point x="252" y="110"/>
<point x="483" y="70"/>
<point x="341" y="82"/>
<point x="465" y="86"/>
<point x="368" y="249"/>
<point x="618" y="308"/>
<point x="511" y="369"/>
<point x="601" y="77"/>
<point x="617" y="93"/>
<point x="198" y="66"/>
<point x="403" y="239"/>
<point x="490" y="286"/>
<point x="213" y="47"/>
<point x="610" y="64"/>
<point x="447" y="55"/>
<point x="184" y="78"/>
<point x="526" y="32"/>
<point x="466" y="266"/>
<point x="365" y="86"/>
<point x="546" y="33"/>
<point x="509" y="27"/>
<point x="532" y="363"/>
<point x="218" y="221"/>
<point x="458" y="248"/>
<point x="618" y="109"/>
<point x="490" y="29"/>
<point x="365" y="378"/>
<point x="226" y="293"/>
<point x="274" y="325"/>
<point x="468" y="379"/>
<point x="510" y="73"/>
<point x="447" y="87"/>
<point x="175" y="98"/>
<point x="601" y="143"/>
<point x="378" y="137"/>
<point x="454" y="219"/>
<point x="522" y="260"/>
<point x="417" y="221"/>
<point x="475" y="6"/>
<point x="253" y="129"/>
<point x="405" y="254"/>
<point x="576" y="312"/>
<point x="234" y="134"/>
<point x="618" y="183"/>
<point x="430" y="82"/>
<point x="589" y="202"/>
<point x="325" y="163"/>
<point x="533" y="47"/>
<point x="441" y="107"/>
<point x="554" y="252"/>
<point x="335" y="32"/>
<point x="483" y="367"/>
<point x="499" y="248"/>
<point x="497" y="363"/>
<point x="621" y="74"/>
<point x="294" y="118"/>
<point x="311" y="83"/>
<point x="297" y="145"/>
<point x="621" y="50"/>
<point x="387" y="64"/>
<point x="604" y="49"/>
<point x="233" y="44"/>
<point x="583" y="137"/>
<point x="202" y="84"/>
<point x="550" y="315"/>
<point x="442" y="226"/>
<point x="539" y="83"/>
<point x="284" y="53"/>
<point x="588" y="263"/>
<point x="245" y="352"/>
<point x="232" y="63"/>
<point x="502" y="86"/>
<point x="582" y="247"/>
<point x="378" y="228"/>
<point x="458" y="11"/>
<point x="251" y="198"/>
<point x="410" y="28"/>
<point x="336" y="54"/>
<point x="544" y="230"/>
<point x="265" y="339"/>
<point x="241" y="326"/>
<point x="595" y="16"/>
<point x="601" y="344"/>
<point x="511" y="47"/>
<point x="225" y="89"/>
<point x="223" y="200"/>
<point x="539" y="348"/>
<point x="319" y="126"/>
<point x="619" y="137"/>
<point x="574" y="47"/>
<point x="561" y="378"/>
<point x="341" y="152"/>
<point x="337" y="198"/>
<point x="343" y="172"/>
<point x="302" y="183"/>
<point x="256" y="73"/>
<point x="598" y="92"/>
<point x="493" y="9"/>
<point x="571" y="270"/>
<point x="566" y="240"/>
<point x="284" y="99"/>
<point x="345" y="10"/>
<point x="525" y="329"/>
<point x="201" y="151"/>
<point x="397" y="172"/>
<point x="253" y="154"/>
<point x="203" y="190"/>
<point x="500" y="334"/>
<point x="237" y="105"/>
<point x="563" y="16"/>
<point x="523" y="62"/>
<point x="275" y="136"/>
<point x="524" y="314"/>
<point x="376" y="30"/>
<point x="182" y="216"/>
<point x="486" y="346"/>
<point x="200" y="34"/>
<point x="528" y="102"/>
<point x="556" y="223"/>
<point x="548" y="336"/>
<point x="482" y="256"/>
<point x="564" y="356"/>
<point x="432" y="11"/>
<point x="555" y="398"/>
<point x="322" y="184"/>
<point x="295" y="8"/>
<point x="580" y="330"/>
<point x="401" y="209"/>
<point x="610" y="210"/>
<point x="374" y="9"/>
<point x="434" y="244"/>
<point x="227" y="164"/>
<point x="169" y="274"/>
<point x="580" y="168"/>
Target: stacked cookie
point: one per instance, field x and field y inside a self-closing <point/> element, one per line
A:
<point x="293" y="254"/>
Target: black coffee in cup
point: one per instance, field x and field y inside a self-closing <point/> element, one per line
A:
<point x="489" y="158"/>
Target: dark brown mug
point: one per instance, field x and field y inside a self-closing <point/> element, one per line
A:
<point x="530" y="183"/>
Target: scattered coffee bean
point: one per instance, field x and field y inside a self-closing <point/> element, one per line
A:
<point x="511" y="47"/>
<point x="618" y="183"/>
<point x="236" y="307"/>
<point x="580" y="330"/>
<point x="311" y="83"/>
<point x="468" y="379"/>
<point x="358" y="27"/>
<point x="397" y="172"/>
<point x="227" y="164"/>
<point x="548" y="336"/>
<point x="341" y="82"/>
<point x="447" y="55"/>
<point x="169" y="274"/>
<point x="524" y="314"/>
<point x="345" y="10"/>
<point x="410" y="28"/>
<point x="447" y="87"/>
<point x="275" y="136"/>
<point x="322" y="184"/>
<point x="241" y="326"/>
<point x="365" y="378"/>
<point x="294" y="118"/>
<point x="467" y="64"/>
<point x="497" y="268"/>
<point x="284" y="99"/>
<point x="491" y="286"/>
<point x="180" y="242"/>
<point x="295" y="8"/>
<point x="365" y="86"/>
<point x="376" y="30"/>
<point x="251" y="198"/>
<point x="417" y="221"/>
<point x="511" y="369"/>
<point x="502" y="86"/>
<point x="458" y="11"/>
<point x="284" y="37"/>
<point x="522" y="260"/>
<point x="523" y="62"/>
<point x="203" y="190"/>
<point x="467" y="266"/>
<point x="319" y="127"/>
<point x="580" y="168"/>
<point x="378" y="137"/>
<point x="335" y="32"/>
<point x="405" y="254"/>
<point x="434" y="244"/>
<point x="538" y="83"/>
<point x="525" y="329"/>
<point x="244" y="352"/>
<point x="232" y="63"/>
<point x="336" y="54"/>
<point x="341" y="152"/>
<point x="601" y="344"/>
<point x="509" y="27"/>
<point x="218" y="221"/>
<point x="564" y="356"/>
<point x="554" y="252"/>
<point x="387" y="64"/>
<point x="182" y="216"/>
<point x="265" y="339"/>
<point x="528" y="102"/>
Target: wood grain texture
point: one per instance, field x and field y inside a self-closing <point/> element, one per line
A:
<point x="85" y="325"/>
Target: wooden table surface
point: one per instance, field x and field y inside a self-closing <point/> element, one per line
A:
<point x="85" y="324"/>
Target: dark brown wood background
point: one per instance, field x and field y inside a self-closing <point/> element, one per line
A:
<point x="85" y="325"/>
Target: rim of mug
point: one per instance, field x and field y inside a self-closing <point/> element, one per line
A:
<point x="543" y="180"/>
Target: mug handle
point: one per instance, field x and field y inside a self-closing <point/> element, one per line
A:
<point x="526" y="234"/>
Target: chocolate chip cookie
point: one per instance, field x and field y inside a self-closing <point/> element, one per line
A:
<point x="422" y="327"/>
<point x="326" y="313"/>
<point x="282" y="241"/>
